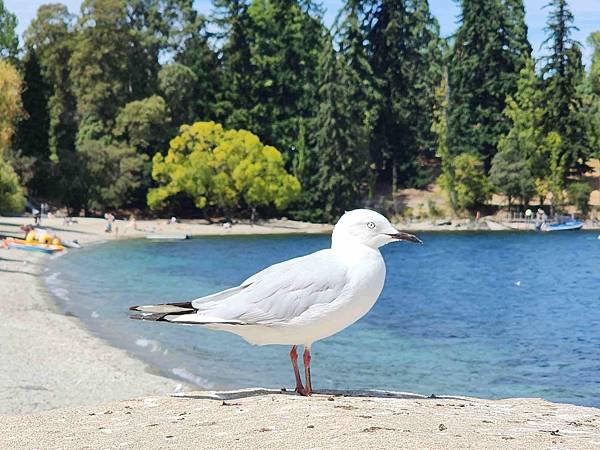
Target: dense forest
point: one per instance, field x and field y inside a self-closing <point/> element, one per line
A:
<point x="148" y="105"/>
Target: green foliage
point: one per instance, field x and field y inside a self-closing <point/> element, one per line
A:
<point x="338" y="145"/>
<point x="50" y="35"/>
<point x="470" y="183"/>
<point x="579" y="195"/>
<point x="523" y="152"/>
<point x="31" y="138"/>
<point x="177" y="83"/>
<point x="10" y="102"/>
<point x="439" y="126"/>
<point x="405" y="54"/>
<point x="144" y="124"/>
<point x="490" y="48"/>
<point x="563" y="73"/>
<point x="511" y="173"/>
<point x="11" y="194"/>
<point x="99" y="64"/>
<point x="591" y="89"/>
<point x="112" y="172"/>
<point x="223" y="169"/>
<point x="156" y="28"/>
<point x="9" y="41"/>
<point x="270" y="59"/>
<point x="558" y="168"/>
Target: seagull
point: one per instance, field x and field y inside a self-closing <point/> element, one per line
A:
<point x="302" y="300"/>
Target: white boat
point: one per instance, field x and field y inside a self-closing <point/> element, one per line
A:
<point x="168" y="236"/>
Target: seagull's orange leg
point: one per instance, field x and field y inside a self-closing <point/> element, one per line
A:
<point x="306" y="357"/>
<point x="294" y="358"/>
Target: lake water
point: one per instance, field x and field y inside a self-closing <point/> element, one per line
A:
<point x="484" y="314"/>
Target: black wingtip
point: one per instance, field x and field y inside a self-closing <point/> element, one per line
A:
<point x="150" y="317"/>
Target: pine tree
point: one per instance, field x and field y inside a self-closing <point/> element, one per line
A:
<point x="334" y="179"/>
<point x="51" y="35"/>
<point x="31" y="139"/>
<point x="592" y="95"/>
<point x="284" y="55"/>
<point x="490" y="49"/>
<point x="562" y="74"/>
<point x="197" y="53"/>
<point x="405" y="54"/>
<point x="234" y="101"/>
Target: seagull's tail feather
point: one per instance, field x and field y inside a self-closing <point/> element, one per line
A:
<point x="174" y="308"/>
<point x="183" y="313"/>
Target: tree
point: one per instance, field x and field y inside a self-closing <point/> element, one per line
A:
<point x="591" y="93"/>
<point x="51" y="36"/>
<point x="562" y="74"/>
<point x="197" y="53"/>
<point x="10" y="102"/>
<point x="157" y="30"/>
<point x="31" y="138"/>
<point x="405" y="54"/>
<point x="11" y="194"/>
<point x="9" y="41"/>
<point x="447" y="178"/>
<point x="511" y="173"/>
<point x="113" y="172"/>
<point x="522" y="159"/>
<point x="284" y="52"/>
<point x="490" y="48"/>
<point x="579" y="195"/>
<point x="222" y="169"/>
<point x="236" y="31"/>
<point x="99" y="64"/>
<point x="144" y="125"/>
<point x="177" y="83"/>
<point x="334" y="178"/>
<point x="471" y="184"/>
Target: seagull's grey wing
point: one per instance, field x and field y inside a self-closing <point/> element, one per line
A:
<point x="280" y="293"/>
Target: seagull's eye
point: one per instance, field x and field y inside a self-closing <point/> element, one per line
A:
<point x="371" y="225"/>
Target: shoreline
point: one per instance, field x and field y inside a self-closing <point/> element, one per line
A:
<point x="84" y="357"/>
<point x="110" y="398"/>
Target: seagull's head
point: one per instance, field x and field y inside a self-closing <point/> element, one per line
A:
<point x="366" y="227"/>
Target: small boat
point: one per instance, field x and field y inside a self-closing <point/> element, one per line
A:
<point x="22" y="244"/>
<point x="168" y="236"/>
<point x="569" y="225"/>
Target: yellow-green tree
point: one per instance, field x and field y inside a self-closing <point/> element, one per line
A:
<point x="11" y="194"/>
<point x="10" y="101"/>
<point x="470" y="183"/>
<point x="223" y="169"/>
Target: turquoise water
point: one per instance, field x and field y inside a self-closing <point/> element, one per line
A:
<point x="484" y="314"/>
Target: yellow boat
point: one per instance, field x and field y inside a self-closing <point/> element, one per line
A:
<point x="22" y="244"/>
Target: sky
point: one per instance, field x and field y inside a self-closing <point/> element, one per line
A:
<point x="586" y="12"/>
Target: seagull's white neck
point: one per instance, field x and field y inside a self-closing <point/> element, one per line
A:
<point x="350" y="246"/>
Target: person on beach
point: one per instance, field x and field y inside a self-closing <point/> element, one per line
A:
<point x="109" y="222"/>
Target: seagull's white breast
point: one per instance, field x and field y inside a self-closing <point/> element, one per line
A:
<point x="365" y="277"/>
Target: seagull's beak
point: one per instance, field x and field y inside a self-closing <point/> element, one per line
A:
<point x="400" y="236"/>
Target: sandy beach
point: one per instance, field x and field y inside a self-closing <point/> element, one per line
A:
<point x="62" y="387"/>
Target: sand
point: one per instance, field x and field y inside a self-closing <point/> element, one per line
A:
<point x="269" y="419"/>
<point x="108" y="399"/>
